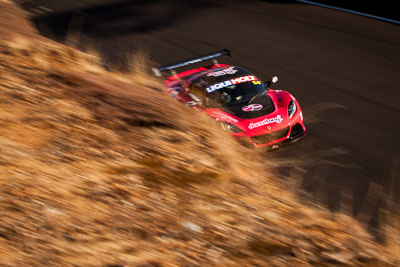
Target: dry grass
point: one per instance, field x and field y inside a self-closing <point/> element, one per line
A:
<point x="97" y="171"/>
<point x="139" y="63"/>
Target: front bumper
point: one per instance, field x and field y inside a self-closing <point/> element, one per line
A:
<point x="278" y="138"/>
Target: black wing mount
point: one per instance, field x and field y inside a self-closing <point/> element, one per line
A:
<point x="172" y="67"/>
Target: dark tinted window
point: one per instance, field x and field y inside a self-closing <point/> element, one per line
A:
<point x="232" y="87"/>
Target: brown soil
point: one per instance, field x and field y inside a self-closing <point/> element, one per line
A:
<point x="98" y="170"/>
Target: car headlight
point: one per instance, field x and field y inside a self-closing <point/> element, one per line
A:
<point x="229" y="127"/>
<point x="292" y="108"/>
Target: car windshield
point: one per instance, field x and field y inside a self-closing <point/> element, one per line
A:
<point x="228" y="90"/>
<point x="236" y="94"/>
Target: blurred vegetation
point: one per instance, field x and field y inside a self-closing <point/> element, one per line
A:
<point x="98" y="169"/>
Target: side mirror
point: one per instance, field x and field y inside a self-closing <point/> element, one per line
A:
<point x="273" y="80"/>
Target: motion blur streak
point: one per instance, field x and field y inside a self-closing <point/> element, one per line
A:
<point x="92" y="167"/>
<point x="320" y="55"/>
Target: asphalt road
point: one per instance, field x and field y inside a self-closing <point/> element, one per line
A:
<point x="343" y="69"/>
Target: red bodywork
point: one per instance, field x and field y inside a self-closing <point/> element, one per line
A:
<point x="270" y="130"/>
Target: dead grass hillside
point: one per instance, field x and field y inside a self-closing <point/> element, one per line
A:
<point x="97" y="169"/>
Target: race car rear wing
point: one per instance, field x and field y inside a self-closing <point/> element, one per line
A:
<point x="172" y="67"/>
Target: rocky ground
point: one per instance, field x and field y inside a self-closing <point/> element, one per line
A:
<point x="104" y="169"/>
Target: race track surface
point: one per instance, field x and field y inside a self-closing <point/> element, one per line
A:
<point x="343" y="69"/>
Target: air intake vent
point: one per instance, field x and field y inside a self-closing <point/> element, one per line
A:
<point x="267" y="138"/>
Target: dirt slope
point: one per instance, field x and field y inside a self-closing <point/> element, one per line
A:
<point x="97" y="169"/>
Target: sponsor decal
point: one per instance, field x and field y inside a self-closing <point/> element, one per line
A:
<point x="277" y="119"/>
<point x="243" y="79"/>
<point x="252" y="107"/>
<point x="229" y="70"/>
<point x="256" y="82"/>
<point x="230" y="82"/>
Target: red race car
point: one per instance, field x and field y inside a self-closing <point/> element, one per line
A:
<point x="239" y="100"/>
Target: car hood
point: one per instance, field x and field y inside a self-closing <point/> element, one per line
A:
<point x="262" y="106"/>
<point x="270" y="122"/>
